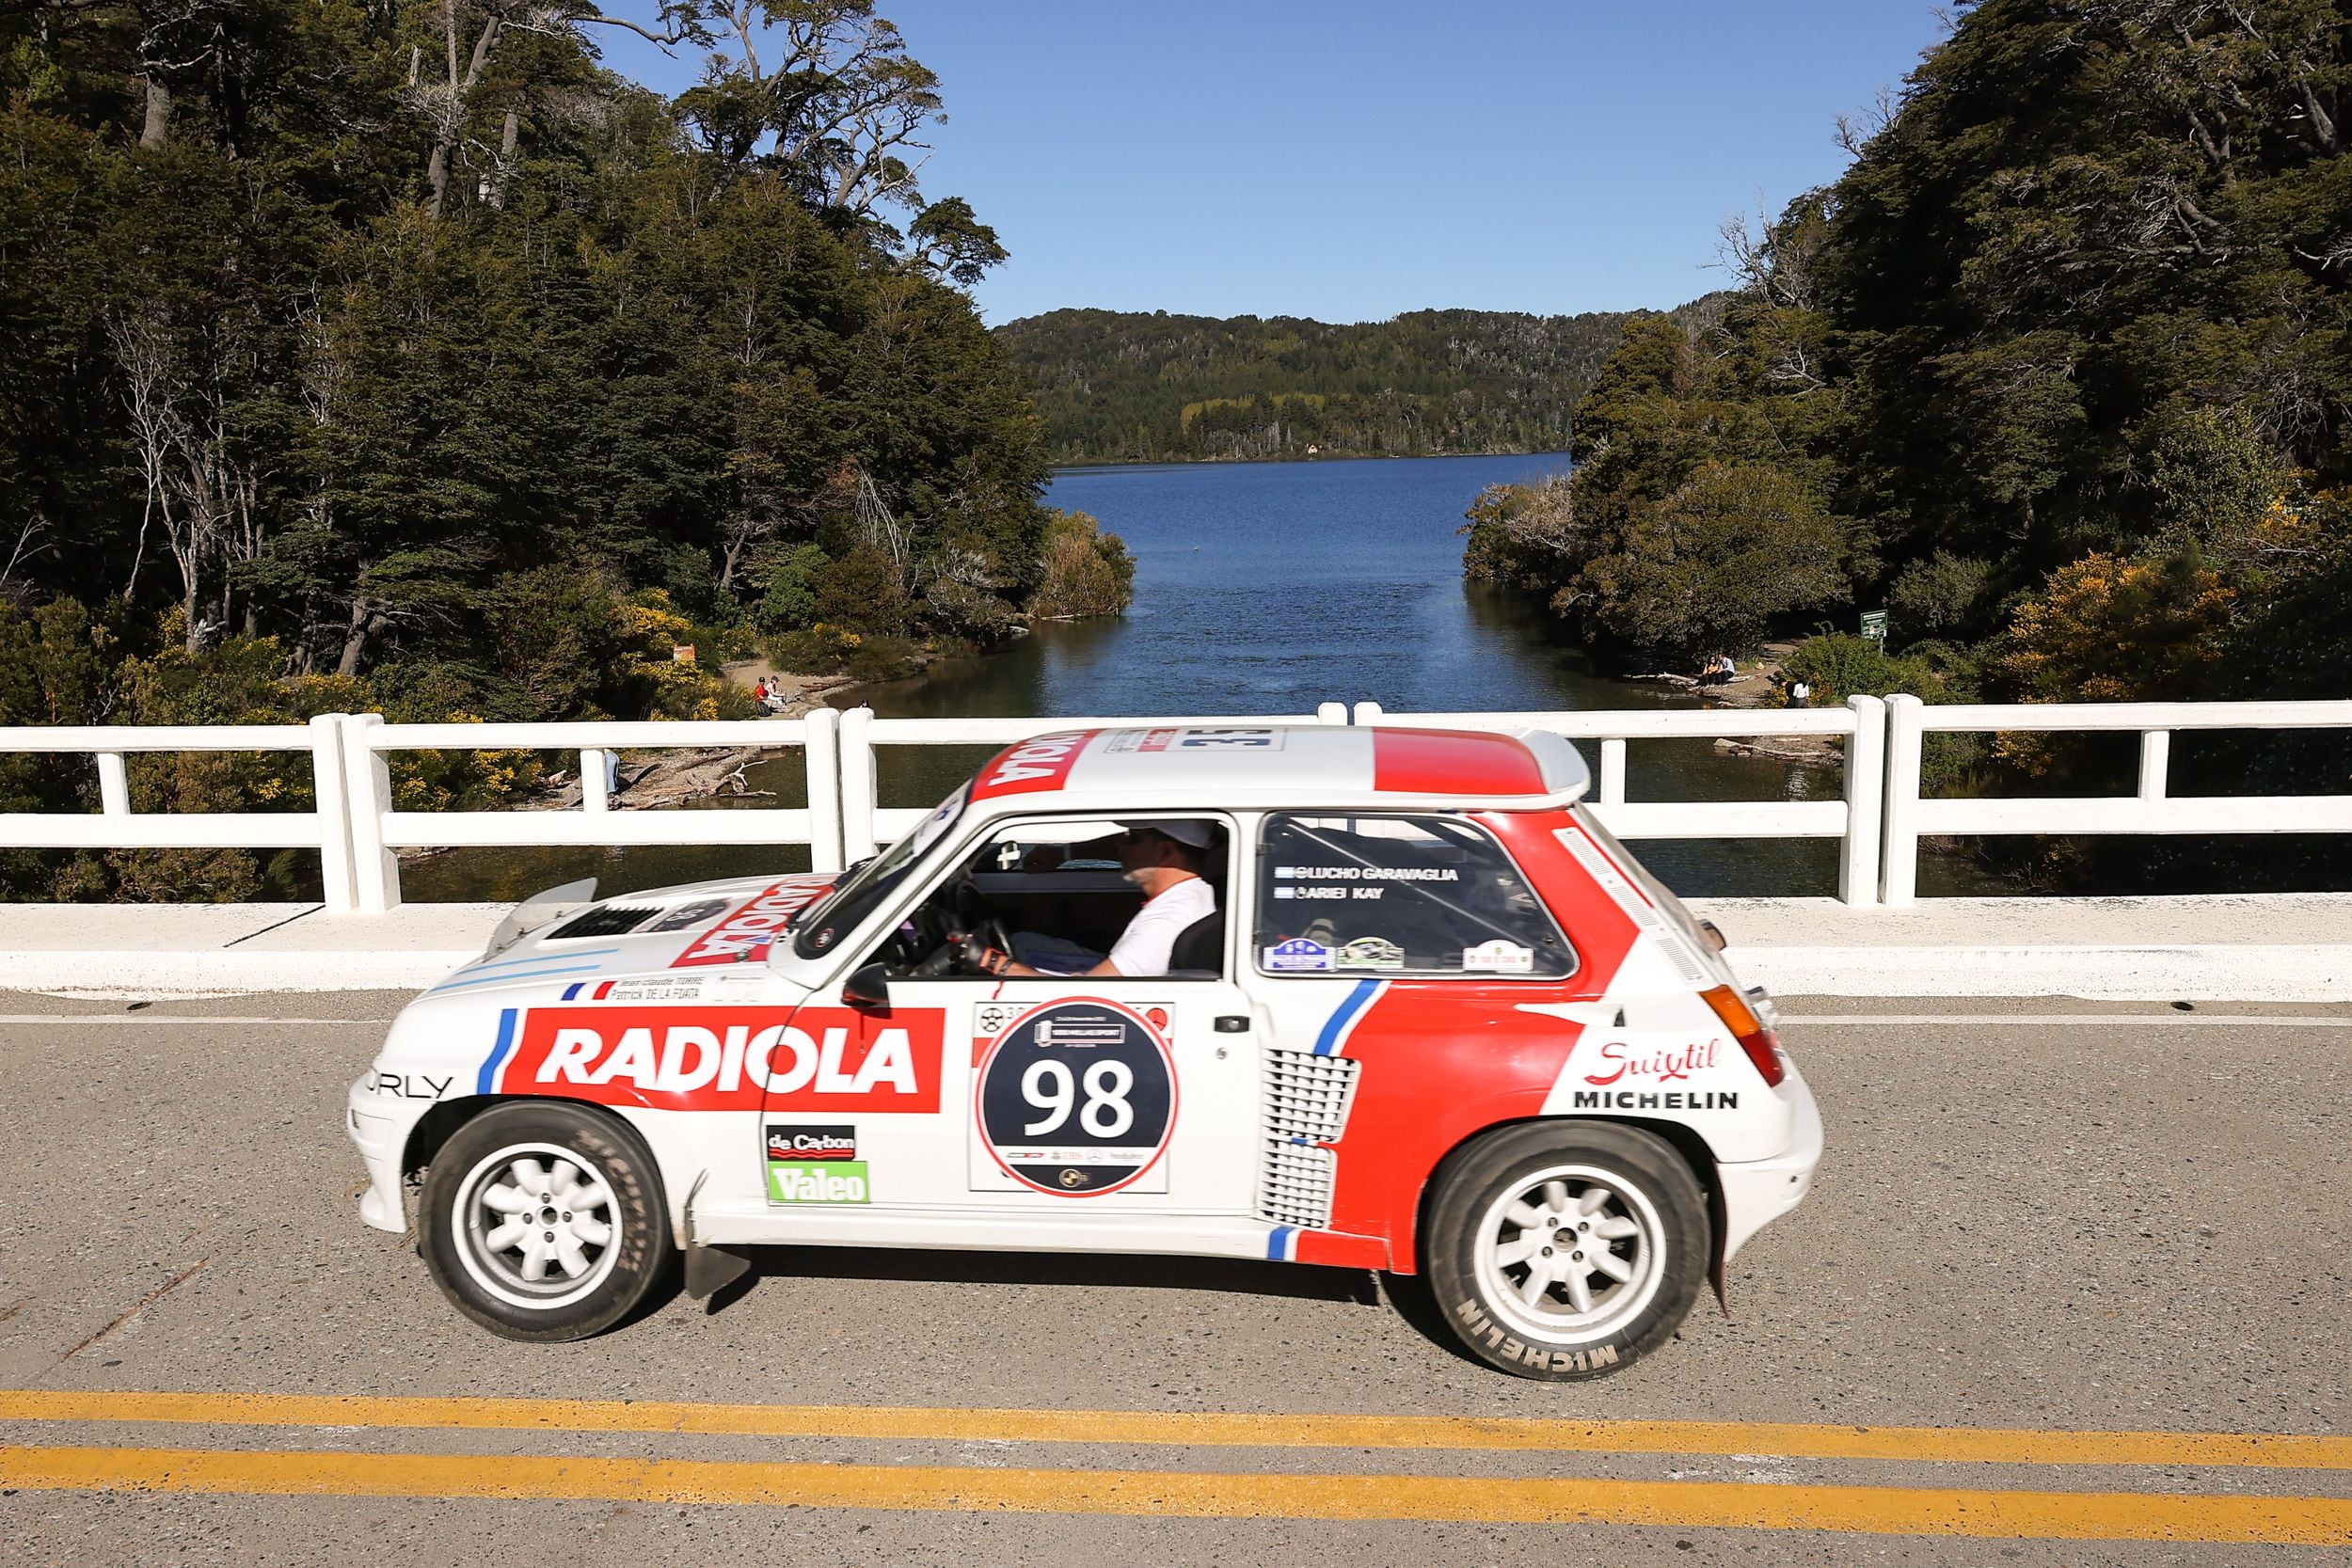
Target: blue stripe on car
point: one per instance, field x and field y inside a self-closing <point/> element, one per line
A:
<point x="488" y="1078"/>
<point x="539" y="959"/>
<point x="524" y="975"/>
<point x="1277" y="1243"/>
<point x="1333" y="1026"/>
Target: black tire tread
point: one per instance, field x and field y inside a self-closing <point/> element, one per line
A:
<point x="1467" y="1183"/>
<point x="629" y="1169"/>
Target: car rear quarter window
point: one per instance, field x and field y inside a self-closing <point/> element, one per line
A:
<point x="1371" y="896"/>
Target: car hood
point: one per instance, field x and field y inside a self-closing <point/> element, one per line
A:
<point x="697" y="928"/>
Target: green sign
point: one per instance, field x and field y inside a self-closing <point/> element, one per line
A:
<point x="817" y="1181"/>
<point x="1874" y="625"/>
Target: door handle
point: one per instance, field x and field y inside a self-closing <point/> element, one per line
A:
<point x="1233" y="1023"/>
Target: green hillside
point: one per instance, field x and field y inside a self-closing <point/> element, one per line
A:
<point x="1123" y="387"/>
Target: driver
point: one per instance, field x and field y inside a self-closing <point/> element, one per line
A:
<point x="1165" y="860"/>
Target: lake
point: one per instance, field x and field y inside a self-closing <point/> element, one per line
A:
<point x="1268" y="588"/>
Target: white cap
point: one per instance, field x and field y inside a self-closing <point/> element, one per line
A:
<point x="1199" y="835"/>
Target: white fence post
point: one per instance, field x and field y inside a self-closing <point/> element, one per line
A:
<point x="338" y="888"/>
<point x="1367" y="713"/>
<point x="1330" y="713"/>
<point x="1611" y="770"/>
<point x="1898" y="869"/>
<point x="595" y="781"/>
<point x="2155" y="761"/>
<point x="113" y="785"/>
<point x="858" y="798"/>
<point x="822" y="758"/>
<point x="368" y="785"/>
<point x="1866" y="802"/>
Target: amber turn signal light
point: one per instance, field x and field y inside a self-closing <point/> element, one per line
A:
<point x="1762" y="1044"/>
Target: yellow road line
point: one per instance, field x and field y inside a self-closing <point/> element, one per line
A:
<point x="1966" y="1445"/>
<point x="1871" y="1510"/>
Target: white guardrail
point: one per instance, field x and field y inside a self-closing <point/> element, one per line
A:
<point x="1879" y="818"/>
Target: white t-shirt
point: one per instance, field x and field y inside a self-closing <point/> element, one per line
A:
<point x="1143" y="948"/>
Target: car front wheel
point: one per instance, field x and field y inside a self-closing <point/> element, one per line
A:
<point x="1565" y="1250"/>
<point x="545" y="1221"/>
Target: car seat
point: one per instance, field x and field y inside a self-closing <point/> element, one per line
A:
<point x="1198" y="951"/>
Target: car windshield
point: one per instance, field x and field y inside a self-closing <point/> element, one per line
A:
<point x="854" y="899"/>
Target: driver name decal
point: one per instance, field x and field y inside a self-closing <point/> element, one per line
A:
<point x="730" y="1058"/>
<point x="743" y="936"/>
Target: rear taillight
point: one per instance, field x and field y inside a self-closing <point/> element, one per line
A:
<point x="1762" y="1044"/>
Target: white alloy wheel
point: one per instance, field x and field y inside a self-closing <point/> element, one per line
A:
<point x="537" y="1226"/>
<point x="1569" y="1253"/>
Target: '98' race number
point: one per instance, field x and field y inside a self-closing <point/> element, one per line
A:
<point x="1077" y="1098"/>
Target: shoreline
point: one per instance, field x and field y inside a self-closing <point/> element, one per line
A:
<point x="1106" y="466"/>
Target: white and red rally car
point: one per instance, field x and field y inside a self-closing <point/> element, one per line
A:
<point x="1440" y="1022"/>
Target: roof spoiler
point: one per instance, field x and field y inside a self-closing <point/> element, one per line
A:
<point x="1561" y="765"/>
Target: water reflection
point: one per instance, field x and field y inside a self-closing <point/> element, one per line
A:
<point x="1268" y="588"/>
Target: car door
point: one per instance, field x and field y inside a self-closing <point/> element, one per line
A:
<point x="1054" y="1095"/>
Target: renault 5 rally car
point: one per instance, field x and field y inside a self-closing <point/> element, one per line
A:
<point x="1434" y="1020"/>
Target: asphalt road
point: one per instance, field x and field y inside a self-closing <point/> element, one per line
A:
<point x="2038" y="1226"/>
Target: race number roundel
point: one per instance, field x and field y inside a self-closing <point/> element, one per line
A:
<point x="1077" y="1098"/>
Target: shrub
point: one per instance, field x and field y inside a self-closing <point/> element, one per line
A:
<point x="1088" y="572"/>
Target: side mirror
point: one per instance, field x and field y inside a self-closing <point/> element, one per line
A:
<point x="868" y="988"/>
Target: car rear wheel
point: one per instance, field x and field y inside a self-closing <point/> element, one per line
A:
<point x="545" y="1221"/>
<point x="1564" y="1249"/>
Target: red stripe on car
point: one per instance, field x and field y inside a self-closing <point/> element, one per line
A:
<point x="1452" y="762"/>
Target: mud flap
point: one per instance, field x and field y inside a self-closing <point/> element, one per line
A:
<point x="711" y="1269"/>
<point x="1717" y="1220"/>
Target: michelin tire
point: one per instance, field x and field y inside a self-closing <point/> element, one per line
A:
<point x="545" y="1221"/>
<point x="1565" y="1250"/>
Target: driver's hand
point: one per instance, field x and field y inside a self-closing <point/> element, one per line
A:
<point x="978" y="956"/>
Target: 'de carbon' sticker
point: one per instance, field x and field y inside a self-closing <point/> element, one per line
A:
<point x="1076" y="1099"/>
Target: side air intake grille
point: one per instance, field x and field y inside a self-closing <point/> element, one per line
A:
<point x="606" y="920"/>
<point x="1307" y="1099"/>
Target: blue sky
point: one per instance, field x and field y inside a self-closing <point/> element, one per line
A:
<point x="1352" y="159"/>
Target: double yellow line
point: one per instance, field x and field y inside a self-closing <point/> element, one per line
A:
<point x="1876" y="1510"/>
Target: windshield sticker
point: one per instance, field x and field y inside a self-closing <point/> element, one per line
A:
<point x="1370" y="953"/>
<point x="1076" y="1099"/>
<point x="743" y="937"/>
<point x="1299" y="953"/>
<point x="1042" y="763"/>
<point x="1500" y="958"/>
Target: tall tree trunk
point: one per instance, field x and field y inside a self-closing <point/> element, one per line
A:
<point x="157" y="129"/>
<point x="365" y="620"/>
<point x="506" y="157"/>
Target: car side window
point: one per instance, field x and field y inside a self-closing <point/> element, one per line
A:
<point x="1058" y="896"/>
<point x="1369" y="896"/>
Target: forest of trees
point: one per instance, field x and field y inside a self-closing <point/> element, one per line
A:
<point x="399" y="355"/>
<point x="2058" y="373"/>
<point x="1123" y="387"/>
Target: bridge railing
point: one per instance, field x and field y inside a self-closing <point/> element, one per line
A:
<point x="378" y="826"/>
<point x="1911" y="816"/>
<point x="1854" y="820"/>
<point x="116" y="826"/>
<point x="1878" y="820"/>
